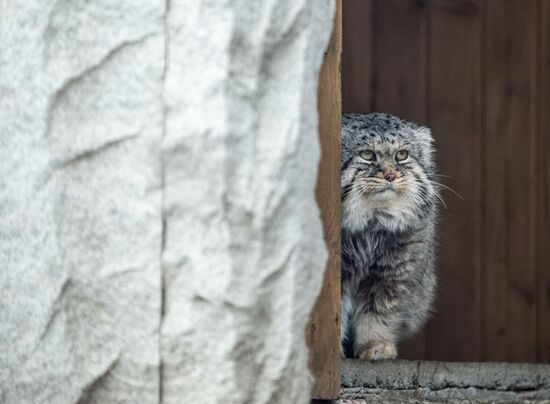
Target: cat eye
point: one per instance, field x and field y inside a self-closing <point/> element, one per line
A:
<point x="401" y="155"/>
<point x="367" y="155"/>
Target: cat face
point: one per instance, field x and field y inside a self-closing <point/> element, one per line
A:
<point x="387" y="172"/>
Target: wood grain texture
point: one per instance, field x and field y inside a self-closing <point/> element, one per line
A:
<point x="400" y="57"/>
<point x="543" y="181"/>
<point x="510" y="180"/>
<point x="357" y="56"/>
<point x="323" y="333"/>
<point x="456" y="122"/>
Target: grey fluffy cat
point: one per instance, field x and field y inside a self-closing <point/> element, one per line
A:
<point x="389" y="201"/>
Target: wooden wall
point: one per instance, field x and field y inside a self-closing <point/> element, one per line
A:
<point x="478" y="73"/>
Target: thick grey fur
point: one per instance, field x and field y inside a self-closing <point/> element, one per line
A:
<point x="388" y="237"/>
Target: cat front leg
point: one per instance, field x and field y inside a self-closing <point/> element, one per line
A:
<point x="377" y="350"/>
<point x="345" y="323"/>
<point x="375" y="337"/>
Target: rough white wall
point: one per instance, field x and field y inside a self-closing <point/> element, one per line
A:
<point x="159" y="240"/>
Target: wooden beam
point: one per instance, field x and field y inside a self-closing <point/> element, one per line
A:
<point x="357" y="56"/>
<point x="323" y="333"/>
<point x="456" y="122"/>
<point x="543" y="184"/>
<point x="510" y="182"/>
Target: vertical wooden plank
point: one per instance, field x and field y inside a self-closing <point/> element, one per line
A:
<point x="455" y="111"/>
<point x="509" y="180"/>
<point x="543" y="181"/>
<point x="400" y="55"/>
<point x="323" y="334"/>
<point x="357" y="57"/>
<point x="400" y="58"/>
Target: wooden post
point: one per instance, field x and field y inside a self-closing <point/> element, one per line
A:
<point x="323" y="334"/>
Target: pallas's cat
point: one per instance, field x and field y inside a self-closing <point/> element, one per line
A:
<point x="389" y="203"/>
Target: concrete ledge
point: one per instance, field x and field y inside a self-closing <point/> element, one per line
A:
<point x="418" y="381"/>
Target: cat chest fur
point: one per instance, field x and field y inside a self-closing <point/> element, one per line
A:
<point x="379" y="268"/>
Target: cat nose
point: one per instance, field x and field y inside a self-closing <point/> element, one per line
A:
<point x="389" y="177"/>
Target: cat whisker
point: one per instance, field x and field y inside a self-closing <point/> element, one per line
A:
<point x="363" y="190"/>
<point x="448" y="188"/>
<point x="346" y="192"/>
<point x="424" y="196"/>
<point x="440" y="198"/>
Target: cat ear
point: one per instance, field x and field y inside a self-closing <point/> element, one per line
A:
<point x="424" y="134"/>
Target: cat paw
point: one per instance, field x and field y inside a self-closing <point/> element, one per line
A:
<point x="377" y="350"/>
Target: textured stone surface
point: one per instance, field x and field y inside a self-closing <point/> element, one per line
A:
<point x="410" y="381"/>
<point x="127" y="171"/>
<point x="243" y="252"/>
<point x="80" y="197"/>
